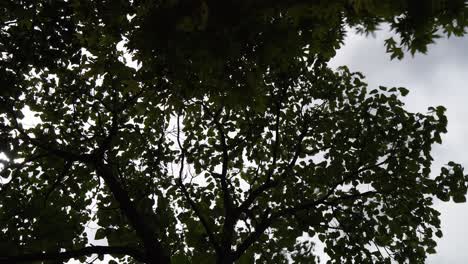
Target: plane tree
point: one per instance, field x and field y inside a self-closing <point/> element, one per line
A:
<point x="204" y="180"/>
<point x="230" y="141"/>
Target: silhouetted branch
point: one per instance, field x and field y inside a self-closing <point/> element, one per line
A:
<point x="153" y="247"/>
<point x="187" y="196"/>
<point x="50" y="147"/>
<point x="260" y="228"/>
<point x="229" y="210"/>
<point x="272" y="183"/>
<point x="267" y="219"/>
<point x="64" y="256"/>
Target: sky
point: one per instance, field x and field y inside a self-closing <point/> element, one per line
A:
<point x="439" y="77"/>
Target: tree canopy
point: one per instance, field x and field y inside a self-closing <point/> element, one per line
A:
<point x="232" y="141"/>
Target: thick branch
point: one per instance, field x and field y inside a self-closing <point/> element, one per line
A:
<point x="64" y="256"/>
<point x="153" y="247"/>
<point x="265" y="222"/>
<point x="199" y="214"/>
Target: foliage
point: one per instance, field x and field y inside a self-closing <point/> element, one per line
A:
<point x="194" y="43"/>
<point x="230" y="141"/>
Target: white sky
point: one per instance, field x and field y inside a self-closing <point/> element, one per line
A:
<point x="438" y="78"/>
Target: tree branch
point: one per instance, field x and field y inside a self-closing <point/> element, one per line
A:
<point x="229" y="210"/>
<point x="267" y="220"/>
<point x="253" y="237"/>
<point x="50" y="147"/>
<point x="272" y="183"/>
<point x="153" y="248"/>
<point x="323" y="200"/>
<point x="223" y="177"/>
<point x="64" y="256"/>
<point x="189" y="199"/>
<point x="277" y="140"/>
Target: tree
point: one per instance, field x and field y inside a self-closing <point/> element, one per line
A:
<point x="232" y="140"/>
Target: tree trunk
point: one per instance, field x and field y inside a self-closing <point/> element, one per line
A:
<point x="154" y="258"/>
<point x="225" y="258"/>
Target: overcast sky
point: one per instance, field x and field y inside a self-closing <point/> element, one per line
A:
<point x="439" y="77"/>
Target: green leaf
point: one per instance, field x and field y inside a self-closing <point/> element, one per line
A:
<point x="403" y="91"/>
<point x="459" y="198"/>
<point x="100" y="234"/>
